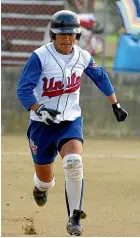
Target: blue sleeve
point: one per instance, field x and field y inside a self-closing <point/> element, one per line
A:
<point x="99" y="76"/>
<point x="28" y="81"/>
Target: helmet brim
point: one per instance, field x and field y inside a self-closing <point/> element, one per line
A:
<point x="66" y="30"/>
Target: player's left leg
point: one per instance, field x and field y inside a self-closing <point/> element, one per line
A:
<point x="74" y="182"/>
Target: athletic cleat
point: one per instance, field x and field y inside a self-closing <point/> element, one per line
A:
<point x="39" y="196"/>
<point x="74" y="226"/>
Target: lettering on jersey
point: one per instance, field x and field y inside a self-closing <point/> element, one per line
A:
<point x="53" y="89"/>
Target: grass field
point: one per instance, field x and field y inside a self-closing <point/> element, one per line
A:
<point x="111" y="198"/>
<point x="111" y="44"/>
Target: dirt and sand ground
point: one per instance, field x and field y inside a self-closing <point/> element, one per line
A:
<point x="111" y="198"/>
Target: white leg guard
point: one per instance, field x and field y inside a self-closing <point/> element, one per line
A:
<point x="42" y="186"/>
<point x="73" y="169"/>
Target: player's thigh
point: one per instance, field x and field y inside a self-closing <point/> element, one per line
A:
<point x="71" y="140"/>
<point x="73" y="146"/>
<point x="42" y="142"/>
<point x="43" y="149"/>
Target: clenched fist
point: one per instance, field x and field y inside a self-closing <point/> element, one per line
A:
<point x="119" y="112"/>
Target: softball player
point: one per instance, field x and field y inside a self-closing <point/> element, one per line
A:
<point x="49" y="88"/>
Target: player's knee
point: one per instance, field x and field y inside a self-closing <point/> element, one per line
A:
<point x="73" y="167"/>
<point x="43" y="186"/>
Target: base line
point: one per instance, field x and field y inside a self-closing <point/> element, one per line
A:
<point x="96" y="156"/>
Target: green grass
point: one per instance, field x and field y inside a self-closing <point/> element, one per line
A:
<point x="112" y="38"/>
<point x="108" y="62"/>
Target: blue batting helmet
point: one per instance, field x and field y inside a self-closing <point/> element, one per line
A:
<point x="65" y="22"/>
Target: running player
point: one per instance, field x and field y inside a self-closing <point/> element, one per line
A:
<point x="49" y="88"/>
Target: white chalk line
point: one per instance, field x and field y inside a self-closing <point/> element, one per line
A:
<point x="98" y="156"/>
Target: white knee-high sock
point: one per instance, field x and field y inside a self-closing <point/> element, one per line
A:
<point x="74" y="182"/>
<point x="74" y="195"/>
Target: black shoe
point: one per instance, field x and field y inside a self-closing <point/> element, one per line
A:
<point x="39" y="196"/>
<point x="74" y="226"/>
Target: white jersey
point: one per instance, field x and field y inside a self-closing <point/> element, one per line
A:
<point x="59" y="83"/>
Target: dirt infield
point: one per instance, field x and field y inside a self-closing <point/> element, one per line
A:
<point x="111" y="198"/>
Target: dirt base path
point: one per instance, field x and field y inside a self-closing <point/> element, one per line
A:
<point x="111" y="198"/>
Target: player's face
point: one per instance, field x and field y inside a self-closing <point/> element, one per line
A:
<point x="64" y="43"/>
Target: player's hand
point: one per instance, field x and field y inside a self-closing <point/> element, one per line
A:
<point x="119" y="112"/>
<point x="47" y="115"/>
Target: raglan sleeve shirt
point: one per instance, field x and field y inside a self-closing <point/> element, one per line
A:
<point x="31" y="73"/>
<point x="28" y="81"/>
<point x="99" y="76"/>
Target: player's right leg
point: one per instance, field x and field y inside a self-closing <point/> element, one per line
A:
<point x="43" y="180"/>
<point x="43" y="151"/>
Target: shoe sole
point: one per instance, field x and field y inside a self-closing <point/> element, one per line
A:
<point x="39" y="201"/>
<point x="75" y="232"/>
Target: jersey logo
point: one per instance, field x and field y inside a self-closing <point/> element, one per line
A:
<point x="53" y="89"/>
<point x="94" y="64"/>
<point x="33" y="147"/>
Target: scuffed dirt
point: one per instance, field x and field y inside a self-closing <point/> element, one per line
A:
<point x="29" y="228"/>
<point x="111" y="197"/>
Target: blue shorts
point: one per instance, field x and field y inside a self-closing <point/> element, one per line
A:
<point x="45" y="141"/>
